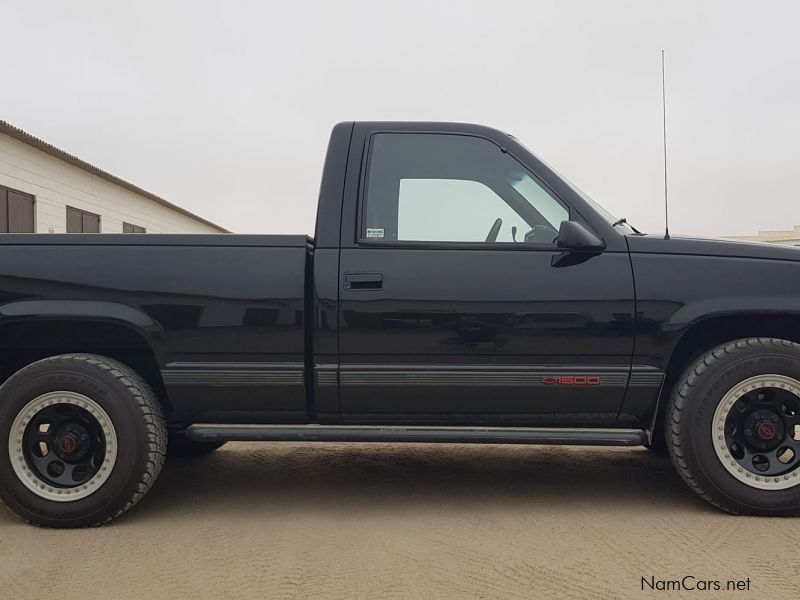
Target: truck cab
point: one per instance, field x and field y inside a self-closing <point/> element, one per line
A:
<point x="456" y="299"/>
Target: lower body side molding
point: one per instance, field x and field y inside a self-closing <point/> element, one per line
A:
<point x="208" y="432"/>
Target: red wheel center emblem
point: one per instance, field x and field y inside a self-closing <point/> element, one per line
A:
<point x="766" y="431"/>
<point x="68" y="444"/>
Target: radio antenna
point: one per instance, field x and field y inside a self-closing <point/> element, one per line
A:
<point x="664" y="113"/>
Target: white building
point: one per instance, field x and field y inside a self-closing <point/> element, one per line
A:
<point x="46" y="190"/>
<point x="787" y="238"/>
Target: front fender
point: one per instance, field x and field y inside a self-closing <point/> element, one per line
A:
<point x="695" y="312"/>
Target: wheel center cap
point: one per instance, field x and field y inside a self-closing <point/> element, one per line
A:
<point x="72" y="442"/>
<point x="68" y="444"/>
<point x="763" y="430"/>
<point x="766" y="431"/>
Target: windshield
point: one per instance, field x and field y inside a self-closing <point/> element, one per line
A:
<point x="607" y="216"/>
<point x="601" y="211"/>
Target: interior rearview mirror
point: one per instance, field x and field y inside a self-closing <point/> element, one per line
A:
<point x="574" y="236"/>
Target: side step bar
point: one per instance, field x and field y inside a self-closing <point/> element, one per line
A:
<point x="207" y="432"/>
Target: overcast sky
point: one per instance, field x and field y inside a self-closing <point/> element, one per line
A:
<point x="225" y="107"/>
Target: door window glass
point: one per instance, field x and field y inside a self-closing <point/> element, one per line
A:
<point x="454" y="188"/>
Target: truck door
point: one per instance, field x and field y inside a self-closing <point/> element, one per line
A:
<point x="456" y="304"/>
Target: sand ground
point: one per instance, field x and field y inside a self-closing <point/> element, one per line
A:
<point x="406" y="521"/>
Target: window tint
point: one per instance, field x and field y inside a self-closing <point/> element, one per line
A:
<point x="452" y="210"/>
<point x="453" y="188"/>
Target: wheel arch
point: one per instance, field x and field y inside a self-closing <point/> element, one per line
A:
<point x="32" y="330"/>
<point x="712" y="330"/>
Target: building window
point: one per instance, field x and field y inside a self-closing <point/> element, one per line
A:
<point x="16" y="212"/>
<point x="80" y="221"/>
<point x="130" y="228"/>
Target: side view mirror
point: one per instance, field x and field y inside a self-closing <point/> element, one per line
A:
<point x="574" y="236"/>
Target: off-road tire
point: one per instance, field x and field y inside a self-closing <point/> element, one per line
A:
<point x="137" y="422"/>
<point x="690" y="413"/>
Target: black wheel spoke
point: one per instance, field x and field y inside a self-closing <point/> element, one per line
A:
<point x="788" y="406"/>
<point x="751" y="458"/>
<point x="747" y="459"/>
<point x="775" y="466"/>
<point x="54" y="471"/>
<point x="52" y="419"/>
<point x="40" y="462"/>
<point x="35" y="437"/>
<point x="65" y="479"/>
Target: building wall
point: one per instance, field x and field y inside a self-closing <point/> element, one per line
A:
<point x="789" y="237"/>
<point x="56" y="184"/>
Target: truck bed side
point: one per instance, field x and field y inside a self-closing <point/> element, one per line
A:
<point x="214" y="322"/>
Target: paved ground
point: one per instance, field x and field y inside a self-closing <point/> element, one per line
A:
<point x="417" y="521"/>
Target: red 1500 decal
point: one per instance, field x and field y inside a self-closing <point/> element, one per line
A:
<point x="572" y="380"/>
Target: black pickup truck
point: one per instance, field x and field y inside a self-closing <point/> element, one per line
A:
<point x="457" y="289"/>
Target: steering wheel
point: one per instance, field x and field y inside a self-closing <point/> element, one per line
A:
<point x="492" y="237"/>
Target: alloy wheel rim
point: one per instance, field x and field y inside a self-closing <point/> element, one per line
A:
<point x="63" y="446"/>
<point x="756" y="432"/>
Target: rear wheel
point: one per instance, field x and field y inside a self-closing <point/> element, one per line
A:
<point x="85" y="440"/>
<point x="733" y="427"/>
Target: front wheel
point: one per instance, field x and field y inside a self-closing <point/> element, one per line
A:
<point x="733" y="427"/>
<point x="83" y="440"/>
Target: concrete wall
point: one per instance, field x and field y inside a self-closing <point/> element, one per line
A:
<point x="56" y="184"/>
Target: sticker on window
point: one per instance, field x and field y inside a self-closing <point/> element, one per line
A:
<point x="375" y="233"/>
